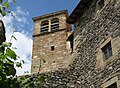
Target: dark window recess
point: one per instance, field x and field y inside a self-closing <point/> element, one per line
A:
<point x="71" y="42"/>
<point x="107" y="51"/>
<point x="44" y="26"/>
<point x="54" y="24"/>
<point x="114" y="85"/>
<point x="100" y="3"/>
<point x="52" y="48"/>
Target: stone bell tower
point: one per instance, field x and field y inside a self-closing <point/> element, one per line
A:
<point x="50" y="42"/>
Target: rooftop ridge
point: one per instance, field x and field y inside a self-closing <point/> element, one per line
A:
<point x="50" y="14"/>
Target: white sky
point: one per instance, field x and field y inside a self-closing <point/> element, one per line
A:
<point x="24" y="42"/>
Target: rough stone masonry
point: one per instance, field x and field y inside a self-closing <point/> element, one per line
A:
<point x="97" y="25"/>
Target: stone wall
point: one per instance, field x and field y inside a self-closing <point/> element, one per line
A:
<point x="93" y="31"/>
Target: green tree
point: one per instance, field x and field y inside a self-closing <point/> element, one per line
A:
<point x="8" y="59"/>
<point x="7" y="70"/>
<point x="4" y="7"/>
<point x="7" y="56"/>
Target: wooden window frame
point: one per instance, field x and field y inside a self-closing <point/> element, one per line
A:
<point x="107" y="51"/>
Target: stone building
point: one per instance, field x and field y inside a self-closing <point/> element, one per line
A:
<point x="2" y="33"/>
<point x="51" y="44"/>
<point x="97" y="43"/>
<point x="97" y="40"/>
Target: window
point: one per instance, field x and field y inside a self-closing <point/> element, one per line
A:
<point x="54" y="24"/>
<point x="52" y="48"/>
<point x="107" y="51"/>
<point x="44" y="26"/>
<point x="114" y="85"/>
<point x="100" y="4"/>
<point x="113" y="82"/>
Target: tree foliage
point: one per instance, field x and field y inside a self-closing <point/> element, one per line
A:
<point x="4" y="7"/>
<point x="7" y="69"/>
<point x="8" y="57"/>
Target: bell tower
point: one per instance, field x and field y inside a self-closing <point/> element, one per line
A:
<point x="49" y="45"/>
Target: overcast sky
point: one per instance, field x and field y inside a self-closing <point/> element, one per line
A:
<point x="24" y="11"/>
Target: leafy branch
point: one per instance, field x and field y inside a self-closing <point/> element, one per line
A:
<point x="8" y="78"/>
<point x="4" y="7"/>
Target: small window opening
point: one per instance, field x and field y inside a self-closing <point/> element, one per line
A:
<point x="100" y="4"/>
<point x="71" y="43"/>
<point x="52" y="48"/>
<point x="44" y="26"/>
<point x="114" y="85"/>
<point x="54" y="24"/>
<point x="107" y="51"/>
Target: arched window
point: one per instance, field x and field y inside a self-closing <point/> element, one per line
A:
<point x="44" y="26"/>
<point x="54" y="24"/>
